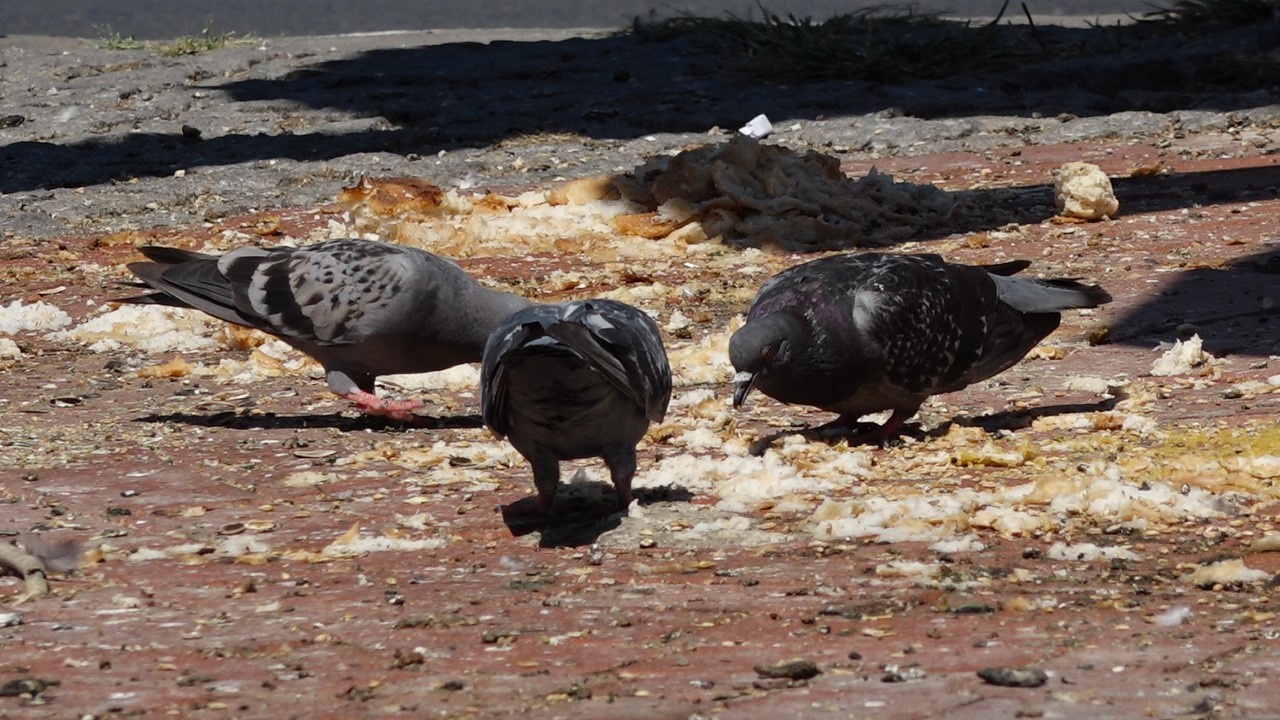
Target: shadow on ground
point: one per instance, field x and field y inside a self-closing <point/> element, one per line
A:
<point x="582" y="511"/>
<point x="1234" y="309"/>
<point x="472" y="95"/>
<point x="1002" y="420"/>
<point x="465" y="95"/>
<point x="271" y="421"/>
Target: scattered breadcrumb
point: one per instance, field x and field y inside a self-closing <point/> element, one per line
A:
<point x="1082" y="190"/>
<point x="1182" y="358"/>
<point x="17" y="317"/>
<point x="1225" y="572"/>
<point x="143" y="327"/>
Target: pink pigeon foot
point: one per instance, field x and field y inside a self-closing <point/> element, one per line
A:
<point x="372" y="404"/>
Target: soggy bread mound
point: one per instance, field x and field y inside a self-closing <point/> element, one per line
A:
<point x="755" y="195"/>
<point x="572" y="219"/>
<point x="742" y="192"/>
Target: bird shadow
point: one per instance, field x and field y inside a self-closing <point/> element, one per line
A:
<point x="581" y="512"/>
<point x="1017" y="419"/>
<point x="1023" y="418"/>
<point x="1232" y="308"/>
<point x="854" y="435"/>
<point x="271" y="421"/>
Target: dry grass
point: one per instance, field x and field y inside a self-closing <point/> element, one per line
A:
<point x="1226" y="12"/>
<point x="871" y="44"/>
<point x="888" y="43"/>
<point x="205" y="41"/>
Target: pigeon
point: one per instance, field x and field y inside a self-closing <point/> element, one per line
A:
<point x="861" y="333"/>
<point x="361" y="308"/>
<point x="574" y="380"/>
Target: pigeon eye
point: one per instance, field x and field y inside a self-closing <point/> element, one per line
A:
<point x="768" y="352"/>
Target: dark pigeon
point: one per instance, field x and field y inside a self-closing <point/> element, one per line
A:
<point x="574" y="380"/>
<point x="361" y="308"/>
<point x="861" y="333"/>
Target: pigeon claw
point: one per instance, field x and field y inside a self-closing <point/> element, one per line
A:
<point x="371" y="404"/>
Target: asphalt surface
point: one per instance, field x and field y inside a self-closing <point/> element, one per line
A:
<point x="151" y="20"/>
<point x="94" y="137"/>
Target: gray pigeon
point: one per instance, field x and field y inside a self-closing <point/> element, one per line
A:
<point x="861" y="333"/>
<point x="361" y="308"/>
<point x="573" y="380"/>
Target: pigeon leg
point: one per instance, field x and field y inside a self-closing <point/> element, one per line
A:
<point x="887" y="434"/>
<point x="845" y="427"/>
<point x="858" y="433"/>
<point x="546" y="478"/>
<point x="622" y="468"/>
<point x="374" y="405"/>
<point x="842" y="428"/>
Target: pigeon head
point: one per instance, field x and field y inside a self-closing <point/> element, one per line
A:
<point x="763" y="346"/>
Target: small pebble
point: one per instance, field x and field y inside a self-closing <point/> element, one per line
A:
<point x="973" y="609"/>
<point x="1014" y="677"/>
<point x="798" y="669"/>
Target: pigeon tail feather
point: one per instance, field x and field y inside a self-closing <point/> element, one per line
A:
<point x="1011" y="267"/>
<point x="194" y="283"/>
<point x="172" y="255"/>
<point x="1030" y="295"/>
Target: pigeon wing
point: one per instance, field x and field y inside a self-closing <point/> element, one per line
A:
<point x="622" y="343"/>
<point x="524" y="331"/>
<point x="1027" y="311"/>
<point x="1010" y="336"/>
<point x="514" y="332"/>
<point x="927" y="318"/>
<point x="336" y="293"/>
<point x="625" y="344"/>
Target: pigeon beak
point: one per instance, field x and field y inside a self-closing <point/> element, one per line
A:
<point x="742" y="383"/>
